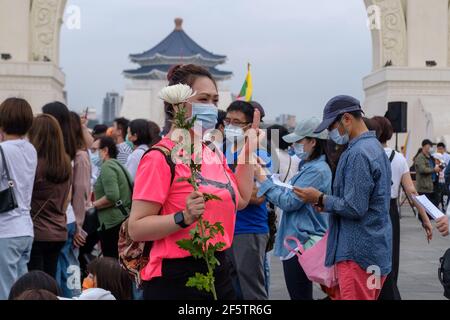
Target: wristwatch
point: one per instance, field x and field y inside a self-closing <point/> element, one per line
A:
<point x="320" y="202"/>
<point x="179" y="220"/>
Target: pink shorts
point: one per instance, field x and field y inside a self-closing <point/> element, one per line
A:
<point x="354" y="283"/>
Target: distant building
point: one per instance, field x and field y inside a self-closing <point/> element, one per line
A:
<point x="92" y="117"/>
<point x="92" y="114"/>
<point x="287" y="120"/>
<point x="144" y="84"/>
<point x="111" y="107"/>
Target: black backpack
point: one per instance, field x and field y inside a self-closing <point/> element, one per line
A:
<point x="444" y="273"/>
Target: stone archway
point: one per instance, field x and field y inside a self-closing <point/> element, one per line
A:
<point x="411" y="63"/>
<point x="29" y="48"/>
<point x="46" y="19"/>
<point x="389" y="38"/>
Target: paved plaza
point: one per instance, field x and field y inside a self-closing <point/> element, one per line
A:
<point x="419" y="261"/>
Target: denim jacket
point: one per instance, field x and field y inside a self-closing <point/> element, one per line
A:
<point x="360" y="226"/>
<point x="299" y="219"/>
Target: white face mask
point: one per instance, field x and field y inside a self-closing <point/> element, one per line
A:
<point x="232" y="132"/>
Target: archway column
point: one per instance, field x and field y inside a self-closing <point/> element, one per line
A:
<point x="30" y="33"/>
<point x="411" y="33"/>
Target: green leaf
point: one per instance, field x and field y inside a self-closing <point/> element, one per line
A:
<point x="220" y="228"/>
<point x="196" y="250"/>
<point x="185" y="244"/>
<point x="219" y="246"/>
<point x="209" y="197"/>
<point x="193" y="232"/>
<point x="200" y="282"/>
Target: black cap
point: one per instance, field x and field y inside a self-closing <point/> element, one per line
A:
<point x="427" y="142"/>
<point x="336" y="107"/>
<point x="100" y="129"/>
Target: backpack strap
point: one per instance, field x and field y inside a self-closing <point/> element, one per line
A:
<point x="125" y="172"/>
<point x="167" y="155"/>
<point x="392" y="156"/>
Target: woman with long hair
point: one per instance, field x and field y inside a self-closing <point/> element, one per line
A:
<point x="68" y="264"/>
<point x="50" y="194"/>
<point x="299" y="219"/>
<point x="81" y="187"/>
<point x="165" y="210"/>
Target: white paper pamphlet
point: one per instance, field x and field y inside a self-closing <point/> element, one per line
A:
<point x="276" y="180"/>
<point x="429" y="207"/>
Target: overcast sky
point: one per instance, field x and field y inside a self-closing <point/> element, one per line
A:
<point x="302" y="52"/>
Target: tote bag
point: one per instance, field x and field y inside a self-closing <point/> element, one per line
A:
<point x="312" y="261"/>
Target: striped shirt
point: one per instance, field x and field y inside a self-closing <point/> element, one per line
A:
<point x="123" y="152"/>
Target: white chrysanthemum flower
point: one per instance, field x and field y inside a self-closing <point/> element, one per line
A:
<point x="176" y="94"/>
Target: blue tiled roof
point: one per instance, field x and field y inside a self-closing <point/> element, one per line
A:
<point x="148" y="70"/>
<point x="178" y="44"/>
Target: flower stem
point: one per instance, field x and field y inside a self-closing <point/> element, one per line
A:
<point x="211" y="276"/>
<point x="207" y="259"/>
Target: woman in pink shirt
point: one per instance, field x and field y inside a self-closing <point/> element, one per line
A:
<point x="164" y="211"/>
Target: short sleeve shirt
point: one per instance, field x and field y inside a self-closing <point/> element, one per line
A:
<point x="399" y="166"/>
<point x="21" y="158"/>
<point x="153" y="184"/>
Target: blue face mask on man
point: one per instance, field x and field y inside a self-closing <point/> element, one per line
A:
<point x="207" y="114"/>
<point x="338" y="138"/>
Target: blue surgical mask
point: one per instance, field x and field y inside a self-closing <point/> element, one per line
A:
<point x="234" y="132"/>
<point x="95" y="159"/>
<point x="337" y="138"/>
<point x="207" y="114"/>
<point x="299" y="149"/>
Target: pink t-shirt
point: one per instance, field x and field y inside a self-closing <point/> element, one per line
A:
<point x="152" y="183"/>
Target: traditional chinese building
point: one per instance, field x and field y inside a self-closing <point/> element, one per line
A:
<point x="144" y="83"/>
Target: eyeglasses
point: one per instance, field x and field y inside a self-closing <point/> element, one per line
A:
<point x="235" y="122"/>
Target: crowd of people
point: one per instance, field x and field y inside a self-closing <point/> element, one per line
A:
<point x="67" y="191"/>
